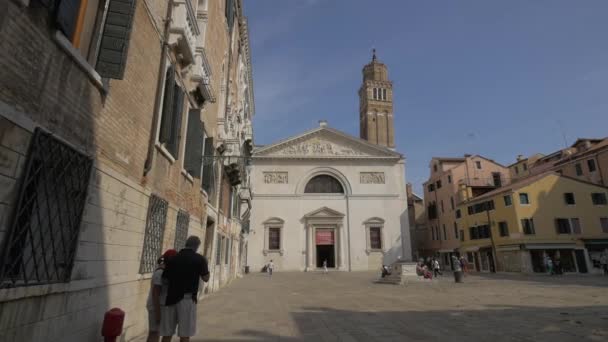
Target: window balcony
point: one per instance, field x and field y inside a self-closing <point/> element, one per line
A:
<point x="183" y="31"/>
<point x="201" y="74"/>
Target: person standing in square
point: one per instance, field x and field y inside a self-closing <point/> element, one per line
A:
<point x="183" y="273"/>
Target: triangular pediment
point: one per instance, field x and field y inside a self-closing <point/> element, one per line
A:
<point x="324" y="212"/>
<point x="324" y="143"/>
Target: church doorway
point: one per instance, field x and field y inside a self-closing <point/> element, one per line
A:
<point x="325" y="247"/>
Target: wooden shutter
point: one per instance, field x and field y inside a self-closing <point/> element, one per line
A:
<point x="176" y="126"/>
<point x="375" y="240"/>
<point x="208" y="170"/>
<point x="115" y="39"/>
<point x="230" y="13"/>
<point x="67" y="15"/>
<point x="193" y="157"/>
<point x="167" y="120"/>
<point x="274" y="238"/>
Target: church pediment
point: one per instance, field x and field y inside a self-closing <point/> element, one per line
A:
<point x="324" y="212"/>
<point x="324" y="143"/>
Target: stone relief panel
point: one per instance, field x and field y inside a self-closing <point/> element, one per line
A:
<point x="372" y="178"/>
<point x="319" y="147"/>
<point x="275" y="177"/>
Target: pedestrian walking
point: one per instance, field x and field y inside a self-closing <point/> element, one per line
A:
<point x="549" y="265"/>
<point x="325" y="266"/>
<point x="436" y="268"/>
<point x="464" y="264"/>
<point x="270" y="268"/>
<point x="604" y="262"/>
<point x="157" y="296"/>
<point x="183" y="272"/>
<point x="557" y="267"/>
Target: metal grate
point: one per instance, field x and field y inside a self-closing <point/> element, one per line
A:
<point x="181" y="229"/>
<point x="155" y="231"/>
<point x="41" y="243"/>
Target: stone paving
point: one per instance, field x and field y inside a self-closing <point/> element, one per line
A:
<point x="351" y="307"/>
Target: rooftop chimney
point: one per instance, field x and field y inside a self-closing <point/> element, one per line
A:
<point x="322" y="123"/>
<point x="520" y="157"/>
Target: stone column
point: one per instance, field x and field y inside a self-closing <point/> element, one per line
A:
<point x="340" y="246"/>
<point x="309" y="247"/>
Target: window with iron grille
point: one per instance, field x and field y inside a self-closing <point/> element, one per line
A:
<point x="274" y="238"/>
<point x="375" y="239"/>
<point x="154" y="234"/>
<point x="181" y="229"/>
<point x="41" y="241"/>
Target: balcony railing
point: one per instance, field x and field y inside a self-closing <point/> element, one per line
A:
<point x="201" y="74"/>
<point x="184" y="30"/>
<point x="485" y="182"/>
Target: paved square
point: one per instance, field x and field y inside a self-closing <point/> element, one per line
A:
<point x="350" y="307"/>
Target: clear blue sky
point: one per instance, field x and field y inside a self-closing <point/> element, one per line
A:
<point x="497" y="78"/>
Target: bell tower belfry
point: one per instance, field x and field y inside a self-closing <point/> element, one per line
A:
<point x="376" y="105"/>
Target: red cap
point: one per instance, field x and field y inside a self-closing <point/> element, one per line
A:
<point x="169" y="253"/>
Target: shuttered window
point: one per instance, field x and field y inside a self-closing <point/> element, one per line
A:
<point x="115" y="36"/>
<point x="230" y="14"/>
<point x="67" y="16"/>
<point x="375" y="239"/>
<point x="195" y="141"/>
<point x="208" y="168"/>
<point x="218" y="250"/>
<point x="274" y="238"/>
<point x="171" y="121"/>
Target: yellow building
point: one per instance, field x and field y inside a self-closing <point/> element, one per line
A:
<point x="542" y="215"/>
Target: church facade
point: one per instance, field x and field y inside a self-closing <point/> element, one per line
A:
<point x="326" y="196"/>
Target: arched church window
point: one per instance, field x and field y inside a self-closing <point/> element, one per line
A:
<point x="324" y="184"/>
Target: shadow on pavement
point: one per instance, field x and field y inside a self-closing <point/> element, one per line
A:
<point x="495" y="323"/>
<point x="545" y="279"/>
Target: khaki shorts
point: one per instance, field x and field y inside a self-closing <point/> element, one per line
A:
<point x="181" y="316"/>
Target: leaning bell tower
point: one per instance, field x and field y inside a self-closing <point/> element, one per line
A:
<point x="376" y="105"/>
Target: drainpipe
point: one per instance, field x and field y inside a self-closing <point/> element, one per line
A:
<point x="494" y="256"/>
<point x="348" y="233"/>
<point x="159" y="86"/>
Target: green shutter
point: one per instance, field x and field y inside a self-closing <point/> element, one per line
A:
<point x="176" y="126"/>
<point x="67" y="15"/>
<point x="230" y="14"/>
<point x="208" y="170"/>
<point x="167" y="120"/>
<point x="115" y="39"/>
<point x="193" y="157"/>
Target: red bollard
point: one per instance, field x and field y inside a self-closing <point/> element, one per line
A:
<point x="112" y="324"/>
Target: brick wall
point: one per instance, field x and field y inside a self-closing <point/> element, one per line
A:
<point x="45" y="87"/>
